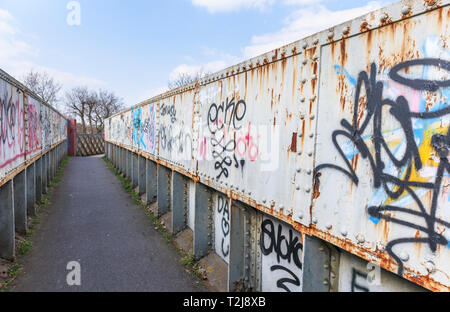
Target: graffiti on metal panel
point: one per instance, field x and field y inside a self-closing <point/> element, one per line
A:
<point x="138" y="128"/>
<point x="170" y="111"/>
<point x="285" y="248"/>
<point x="34" y="127"/>
<point x="397" y="158"/>
<point x="231" y="144"/>
<point x="11" y="126"/>
<point x="46" y="127"/>
<point x="356" y="285"/>
<point x="174" y="137"/>
<point x="223" y="209"/>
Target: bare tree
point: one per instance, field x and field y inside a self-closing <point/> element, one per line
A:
<point x="185" y="78"/>
<point x="43" y="85"/>
<point x="77" y="104"/>
<point x="107" y="105"/>
<point x="92" y="107"/>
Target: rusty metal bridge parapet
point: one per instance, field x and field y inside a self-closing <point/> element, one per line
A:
<point x="341" y="136"/>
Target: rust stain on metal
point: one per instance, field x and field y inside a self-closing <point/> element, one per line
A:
<point x="294" y="142"/>
<point x="364" y="26"/>
<point x="316" y="193"/>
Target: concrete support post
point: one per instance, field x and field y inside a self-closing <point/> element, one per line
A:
<point x="31" y="189"/>
<point x="163" y="190"/>
<point x="124" y="162"/>
<point x="316" y="265"/>
<point x="113" y="154"/>
<point x="135" y="178"/>
<point x="49" y="179"/>
<point x="20" y="202"/>
<point x="129" y="166"/>
<point x="237" y="271"/>
<point x="120" y="159"/>
<point x="7" y="231"/>
<point x="44" y="173"/>
<point x="56" y="163"/>
<point x="203" y="221"/>
<point x="38" y="173"/>
<point x="50" y="166"/>
<point x="151" y="183"/>
<point x="179" y="201"/>
<point x="142" y="181"/>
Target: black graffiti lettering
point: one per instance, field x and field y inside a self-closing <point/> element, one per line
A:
<point x="222" y="118"/>
<point x="223" y="208"/>
<point x="355" y="286"/>
<point x="8" y="113"/>
<point x="169" y="110"/>
<point x="420" y="84"/>
<point x="281" y="283"/>
<point x="410" y="160"/>
<point x="277" y="240"/>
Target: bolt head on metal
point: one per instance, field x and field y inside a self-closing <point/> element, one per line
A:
<point x="404" y="256"/>
<point x="329" y="226"/>
<point x="314" y="220"/>
<point x="406" y="10"/>
<point x="360" y="238"/>
<point x="344" y="232"/>
<point x="429" y="265"/>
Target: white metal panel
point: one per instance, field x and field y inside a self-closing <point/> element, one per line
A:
<point x="282" y="257"/>
<point x="12" y="130"/>
<point x="148" y="131"/>
<point x="222" y="213"/>
<point x="357" y="275"/>
<point x="34" y="126"/>
<point x="383" y="140"/>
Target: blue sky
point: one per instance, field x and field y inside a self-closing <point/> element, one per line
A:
<point x="134" y="47"/>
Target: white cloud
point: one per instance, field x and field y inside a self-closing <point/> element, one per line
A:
<point x="302" y="23"/>
<point x="214" y="6"/>
<point x="310" y="18"/>
<point x="18" y="57"/>
<point x="300" y="2"/>
<point x="192" y="70"/>
<point x="5" y="15"/>
<point x="217" y="61"/>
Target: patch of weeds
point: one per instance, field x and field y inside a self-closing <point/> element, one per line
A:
<point x="187" y="259"/>
<point x="24" y="247"/>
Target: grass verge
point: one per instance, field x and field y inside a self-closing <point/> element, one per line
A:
<point x="24" y="244"/>
<point x="187" y="259"/>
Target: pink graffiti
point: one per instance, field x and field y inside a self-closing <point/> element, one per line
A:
<point x="246" y="146"/>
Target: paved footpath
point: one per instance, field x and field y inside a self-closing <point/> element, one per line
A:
<point x="93" y="220"/>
